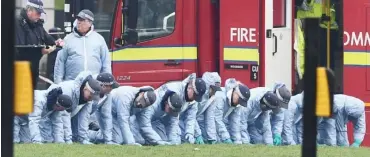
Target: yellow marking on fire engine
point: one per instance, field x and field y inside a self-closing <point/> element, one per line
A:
<point x="154" y="53"/>
<point x="356" y="58"/>
<point x="367" y="104"/>
<point x="230" y="54"/>
<point x="241" y="54"/>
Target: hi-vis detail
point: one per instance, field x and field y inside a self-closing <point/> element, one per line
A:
<point x="243" y="34"/>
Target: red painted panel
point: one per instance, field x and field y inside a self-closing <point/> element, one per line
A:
<point x="368" y="49"/>
<point x="152" y="73"/>
<point x="154" y="79"/>
<point x="262" y="33"/>
<point x="279" y="13"/>
<point x="355" y="86"/>
<point x="238" y="14"/>
<point x="354" y="26"/>
<point x="116" y="32"/>
<point x="207" y="18"/>
<point x="355" y="77"/>
<point x="293" y="54"/>
<point x="350" y="132"/>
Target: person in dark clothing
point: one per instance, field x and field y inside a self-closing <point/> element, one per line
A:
<point x="29" y="31"/>
<point x="57" y="34"/>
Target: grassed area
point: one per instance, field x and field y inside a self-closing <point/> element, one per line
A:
<point x="77" y="150"/>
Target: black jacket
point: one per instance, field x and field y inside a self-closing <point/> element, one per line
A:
<point x="30" y="33"/>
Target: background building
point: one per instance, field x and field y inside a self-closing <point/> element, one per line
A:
<point x="53" y="8"/>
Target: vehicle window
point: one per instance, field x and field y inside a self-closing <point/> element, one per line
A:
<point x="104" y="13"/>
<point x="156" y="18"/>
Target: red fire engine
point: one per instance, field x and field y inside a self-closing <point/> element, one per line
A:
<point x="250" y="40"/>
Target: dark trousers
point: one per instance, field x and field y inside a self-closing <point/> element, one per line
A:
<point x="298" y="88"/>
<point x="33" y="56"/>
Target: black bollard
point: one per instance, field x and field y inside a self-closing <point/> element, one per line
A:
<point x="7" y="79"/>
<point x="312" y="51"/>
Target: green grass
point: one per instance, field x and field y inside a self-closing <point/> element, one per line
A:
<point x="76" y="150"/>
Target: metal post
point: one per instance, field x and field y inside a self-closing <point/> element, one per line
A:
<point x="312" y="44"/>
<point x="7" y="61"/>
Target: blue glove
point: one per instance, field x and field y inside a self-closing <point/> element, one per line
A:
<point x="199" y="140"/>
<point x="277" y="139"/>
<point x="227" y="141"/>
<point x="357" y="143"/>
<point x="52" y="97"/>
